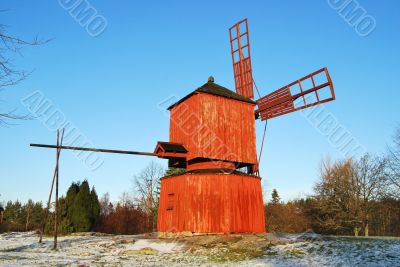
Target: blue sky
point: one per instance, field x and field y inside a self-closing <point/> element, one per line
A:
<point x="109" y="86"/>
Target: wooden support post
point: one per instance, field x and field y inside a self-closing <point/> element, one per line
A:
<point x="56" y="202"/>
<point x="56" y="211"/>
<point x="48" y="207"/>
<point x="50" y="194"/>
<point x="55" y="179"/>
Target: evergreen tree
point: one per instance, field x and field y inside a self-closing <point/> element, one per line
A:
<point x="275" y="197"/>
<point x="66" y="209"/>
<point x="95" y="207"/>
<point x="37" y="215"/>
<point x="14" y="215"/>
<point x="174" y="171"/>
<point x="81" y="209"/>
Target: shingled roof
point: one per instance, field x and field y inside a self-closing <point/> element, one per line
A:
<point x="214" y="89"/>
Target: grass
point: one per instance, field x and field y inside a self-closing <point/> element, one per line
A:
<point x="143" y="251"/>
<point x="234" y="254"/>
<point x="231" y="248"/>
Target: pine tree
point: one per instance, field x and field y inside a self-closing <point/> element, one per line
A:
<point x="66" y="209"/>
<point x="81" y="209"/>
<point x="13" y="214"/>
<point x="37" y="215"/>
<point x="275" y="197"/>
<point x="95" y="207"/>
<point x="174" y="171"/>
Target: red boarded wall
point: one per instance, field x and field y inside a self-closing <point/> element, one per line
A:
<point x="211" y="203"/>
<point x="215" y="127"/>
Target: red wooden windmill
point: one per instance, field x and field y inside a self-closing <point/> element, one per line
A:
<point x="212" y="136"/>
<point x="215" y="128"/>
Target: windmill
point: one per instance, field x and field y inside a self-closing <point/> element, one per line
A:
<point x="213" y="138"/>
<point x="215" y="195"/>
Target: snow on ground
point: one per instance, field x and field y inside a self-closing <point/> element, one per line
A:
<point x="334" y="251"/>
<point x="18" y="249"/>
<point x="90" y="249"/>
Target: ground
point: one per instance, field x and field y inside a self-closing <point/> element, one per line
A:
<point x="92" y="249"/>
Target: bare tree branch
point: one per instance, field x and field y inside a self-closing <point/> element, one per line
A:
<point x="10" y="75"/>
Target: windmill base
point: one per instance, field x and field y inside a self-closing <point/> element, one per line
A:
<point x="202" y="203"/>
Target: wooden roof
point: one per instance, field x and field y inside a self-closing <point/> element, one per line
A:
<point x="170" y="147"/>
<point x="215" y="89"/>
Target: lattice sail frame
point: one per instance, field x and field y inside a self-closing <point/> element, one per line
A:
<point x="240" y="50"/>
<point x="282" y="101"/>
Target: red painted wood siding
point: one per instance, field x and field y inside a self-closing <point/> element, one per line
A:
<point x="211" y="203"/>
<point x="215" y="127"/>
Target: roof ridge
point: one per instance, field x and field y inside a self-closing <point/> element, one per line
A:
<point x="218" y="90"/>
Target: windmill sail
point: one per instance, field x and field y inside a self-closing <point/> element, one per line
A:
<point x="297" y="95"/>
<point x="240" y="50"/>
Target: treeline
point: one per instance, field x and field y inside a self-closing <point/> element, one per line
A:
<point x="22" y="217"/>
<point x="351" y="197"/>
<point x="82" y="211"/>
<point x="79" y="212"/>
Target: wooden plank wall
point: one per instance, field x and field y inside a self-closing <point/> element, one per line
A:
<point x="211" y="203"/>
<point x="215" y="127"/>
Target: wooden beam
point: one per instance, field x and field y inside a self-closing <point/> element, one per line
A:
<point x="96" y="150"/>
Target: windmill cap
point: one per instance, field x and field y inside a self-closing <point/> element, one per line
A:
<point x="214" y="89"/>
<point x="210" y="79"/>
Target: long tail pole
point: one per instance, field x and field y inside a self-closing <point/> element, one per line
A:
<point x="95" y="149"/>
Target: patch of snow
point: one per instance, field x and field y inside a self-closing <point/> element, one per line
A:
<point x="163" y="247"/>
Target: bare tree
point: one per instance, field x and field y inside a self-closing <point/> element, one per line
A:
<point x="106" y="206"/>
<point x="337" y="209"/>
<point x="394" y="164"/>
<point x="126" y="200"/>
<point x="147" y="188"/>
<point x="347" y="192"/>
<point x="10" y="75"/>
<point x="370" y="184"/>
